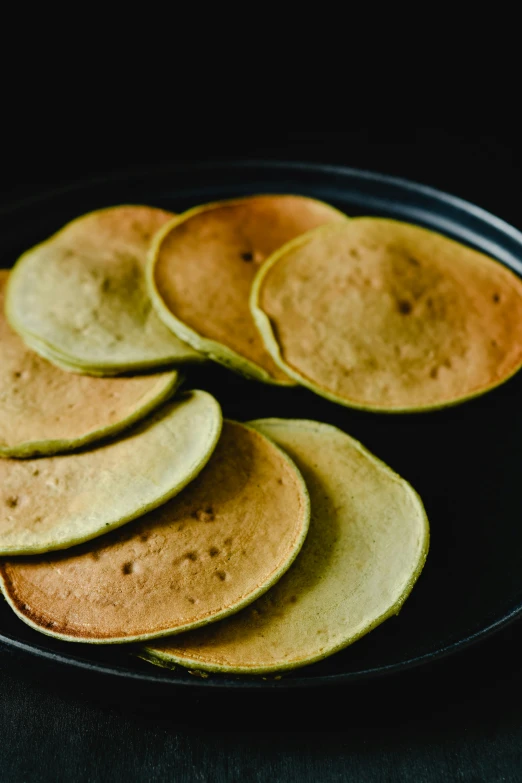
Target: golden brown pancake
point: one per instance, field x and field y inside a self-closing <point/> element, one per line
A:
<point x="55" y="502"/>
<point x="202" y="266"/>
<point x="82" y="293"/>
<point x="44" y="410"/>
<point x="367" y="544"/>
<point x="388" y="316"/>
<point x="215" y="548"/>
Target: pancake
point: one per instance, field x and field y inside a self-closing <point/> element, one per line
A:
<point x="365" y="549"/>
<point x="215" y="548"/>
<point x="44" y="410"/>
<point x="202" y="265"/>
<point x="55" y="502"/>
<point x="82" y="293"/>
<point x="388" y="316"/>
<point x="60" y="361"/>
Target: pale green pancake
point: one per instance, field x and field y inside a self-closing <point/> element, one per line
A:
<point x="365" y="549"/>
<point x="202" y="265"/>
<point x="82" y="293"/>
<point x="388" y="316"/>
<point x="55" y="502"/>
<point x="44" y="410"/>
<point x="207" y="553"/>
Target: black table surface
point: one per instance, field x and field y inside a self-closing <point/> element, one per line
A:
<point x="459" y="719"/>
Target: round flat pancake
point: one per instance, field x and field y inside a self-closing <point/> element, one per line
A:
<point x="55" y="502"/>
<point x="365" y="549"/>
<point x="83" y="294"/>
<point x="44" y="410"/>
<point x="387" y="316"/>
<point x="215" y="548"/>
<point x="202" y="266"/>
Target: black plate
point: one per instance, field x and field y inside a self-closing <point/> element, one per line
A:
<point x="465" y="461"/>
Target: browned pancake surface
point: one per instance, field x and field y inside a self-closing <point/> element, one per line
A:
<point x="383" y="314"/>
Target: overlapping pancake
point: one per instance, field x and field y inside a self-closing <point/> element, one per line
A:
<point x="44" y="410"/>
<point x="55" y="502"/>
<point x="82" y="293"/>
<point x="202" y="266"/>
<point x="365" y="549"/>
<point x="205" y="554"/>
<point x="388" y="316"/>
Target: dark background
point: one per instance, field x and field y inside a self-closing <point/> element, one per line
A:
<point x="483" y="167"/>
<point x="456" y="720"/>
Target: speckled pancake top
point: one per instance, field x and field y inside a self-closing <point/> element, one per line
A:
<point x="386" y="315"/>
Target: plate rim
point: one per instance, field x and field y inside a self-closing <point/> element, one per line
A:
<point x="164" y="676"/>
<point x="296" y="165"/>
